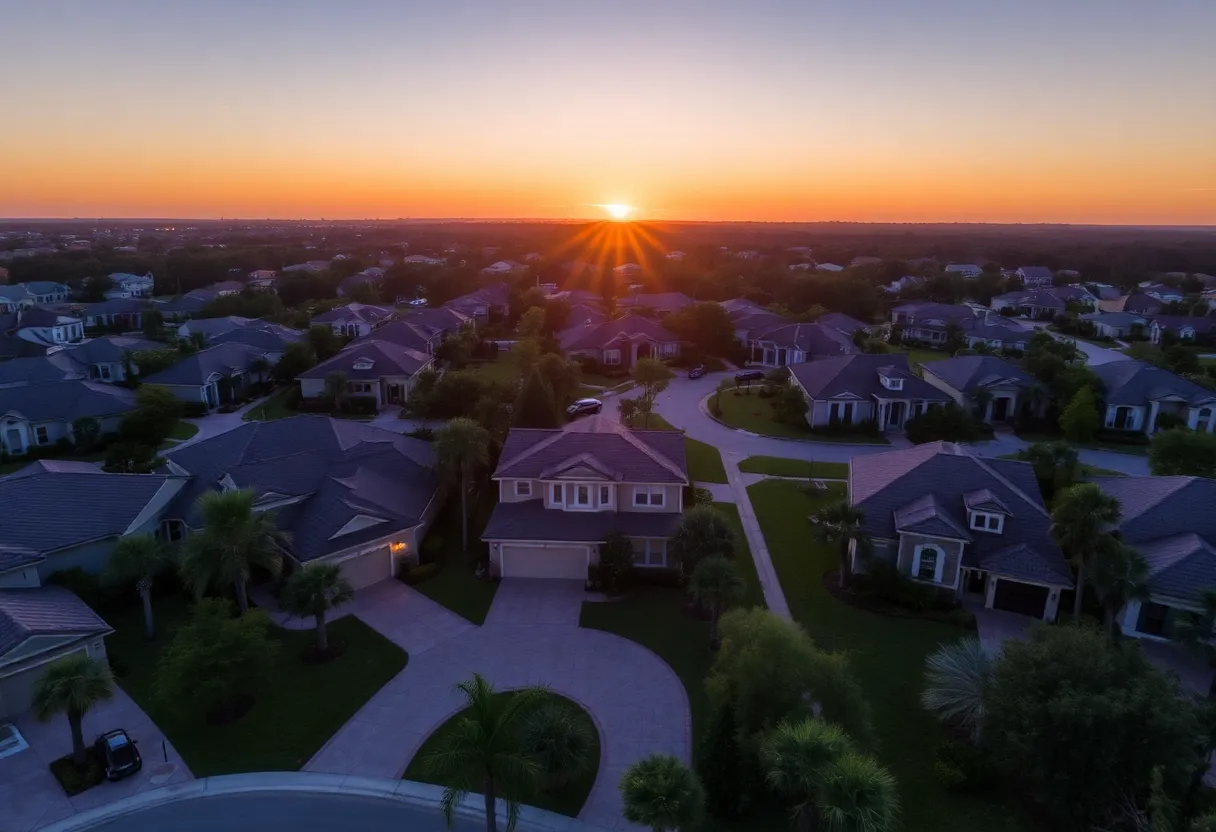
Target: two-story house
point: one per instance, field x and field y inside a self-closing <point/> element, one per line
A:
<point x="1138" y="394"/>
<point x="561" y="492"/>
<point x="855" y="389"/>
<point x="928" y="321"/>
<point x="354" y="319"/>
<point x="1034" y="277"/>
<point x="968" y="526"/>
<point x="994" y="389"/>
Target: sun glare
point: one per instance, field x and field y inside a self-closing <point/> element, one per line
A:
<point x="617" y="211"/>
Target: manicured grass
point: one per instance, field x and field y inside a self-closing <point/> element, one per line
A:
<point x="183" y="430"/>
<point x="922" y="356"/>
<point x="500" y="369"/>
<point x="455" y="586"/>
<point x="298" y="706"/>
<point x="775" y="466"/>
<point x="704" y="461"/>
<point x="747" y="411"/>
<point x="1082" y="470"/>
<point x="886" y="654"/>
<point x="567" y="801"/>
<point x="273" y="408"/>
<point x="1096" y="445"/>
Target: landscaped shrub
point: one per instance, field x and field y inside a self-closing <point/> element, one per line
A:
<point x="950" y="423"/>
<point x="74" y="780"/>
<point x="960" y="766"/>
<point x="657" y="576"/>
<point x="432" y="548"/>
<point x="417" y="574"/>
<point x="362" y="405"/>
<point x="883" y="583"/>
<point x="616" y="563"/>
<point x="1122" y="437"/>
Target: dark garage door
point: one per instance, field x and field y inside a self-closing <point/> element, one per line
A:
<point x="1026" y="599"/>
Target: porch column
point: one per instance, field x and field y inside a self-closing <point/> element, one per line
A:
<point x="990" y="592"/>
<point x="1130" y="617"/>
<point x="988" y="411"/>
<point x="1150" y="426"/>
<point x="1053" y="604"/>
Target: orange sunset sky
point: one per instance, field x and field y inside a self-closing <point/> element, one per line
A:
<point x="875" y="110"/>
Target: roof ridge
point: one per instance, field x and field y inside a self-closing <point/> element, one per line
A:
<point x="1037" y="506"/>
<point x="536" y="447"/>
<point x="659" y="458"/>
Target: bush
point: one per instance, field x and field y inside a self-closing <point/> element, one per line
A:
<point x="950" y="777"/>
<point x="362" y="405"/>
<point x="702" y="497"/>
<point x="1122" y="437"/>
<point x="417" y="574"/>
<point x="949" y="423"/>
<point x="74" y="780"/>
<point x="425" y="434"/>
<point x="883" y="583"/>
<point x="616" y="563"/>
<point x="960" y="766"/>
<point x="432" y="548"/>
<point x="657" y="576"/>
<point x="91" y="589"/>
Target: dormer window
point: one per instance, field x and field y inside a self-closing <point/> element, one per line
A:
<point x="363" y="364"/>
<point x="984" y="521"/>
<point x="892" y="383"/>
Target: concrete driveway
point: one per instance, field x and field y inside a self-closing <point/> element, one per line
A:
<point x="30" y="797"/>
<point x="531" y="637"/>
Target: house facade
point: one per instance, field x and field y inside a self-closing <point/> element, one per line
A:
<point x="125" y="285"/>
<point x="992" y="388"/>
<point x="355" y="319"/>
<point x="928" y="322"/>
<point x="1182" y="328"/>
<point x="40" y="415"/>
<point x="377" y="369"/>
<point x="1034" y="277"/>
<point x="213" y="375"/>
<point x="562" y="492"/>
<point x="621" y="342"/>
<point x="788" y="344"/>
<point x="1114" y="324"/>
<point x="47" y="327"/>
<point x="1138" y="395"/>
<point x="863" y="388"/>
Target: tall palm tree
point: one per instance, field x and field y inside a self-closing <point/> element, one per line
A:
<point x="335" y="388"/>
<point x="462" y="446"/>
<point x="838" y="524"/>
<point x="73" y="685"/>
<point x="260" y="366"/>
<point x="1083" y="514"/>
<point x="232" y="541"/>
<point x="661" y="793"/>
<point x="1119" y="575"/>
<point x="715" y="585"/>
<point x="560" y="740"/>
<point x="1053" y="462"/>
<point x="859" y="795"/>
<point x="138" y="557"/>
<point x="484" y="751"/>
<point x="956" y="682"/>
<point x="315" y="590"/>
<point x="797" y="757"/>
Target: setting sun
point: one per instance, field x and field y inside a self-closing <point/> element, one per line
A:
<point x="617" y="211"/>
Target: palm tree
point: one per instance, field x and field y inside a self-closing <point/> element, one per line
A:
<point x="232" y="541"/>
<point x="261" y="366"/>
<point x="1119" y="575"/>
<point x="484" y="751"/>
<point x="138" y="557"/>
<point x="838" y="524"/>
<point x="1083" y="514"/>
<point x="315" y="590"/>
<point x="859" y="795"/>
<point x="335" y="388"/>
<point x="1053" y="462"/>
<point x="796" y="757"/>
<point x="715" y="585"/>
<point x="660" y="792"/>
<point x="462" y="446"/>
<point x="73" y="685"/>
<point x="956" y="681"/>
<point x="560" y="741"/>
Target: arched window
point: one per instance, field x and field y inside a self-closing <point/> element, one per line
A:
<point x="927" y="563"/>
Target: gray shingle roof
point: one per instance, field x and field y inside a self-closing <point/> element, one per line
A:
<point x="970" y="372"/>
<point x="1155" y="507"/>
<point x="859" y="375"/>
<point x="115" y="306"/>
<point x="65" y="401"/>
<point x="1181" y="565"/>
<point x="44" y="610"/>
<point x="641" y="456"/>
<point x="14" y="558"/>
<point x="658" y="301"/>
<point x="926" y="515"/>
<point x="1036" y="272"/>
<point x="924" y="311"/>
<point x="1175" y="323"/>
<point x="403" y="333"/>
<point x="111" y="349"/>
<point x="813" y="339"/>
<point x="40" y="316"/>
<point x="530" y="520"/>
<point x="628" y="328"/>
<point x="1138" y="382"/>
<point x="259" y="335"/>
<point x="56" y="366"/>
<point x="197" y="368"/>
<point x="386" y="359"/>
<point x="740" y="307"/>
<point x="885" y="485"/>
<point x="841" y="322"/>
<point x="211" y="327"/>
<point x="362" y="311"/>
<point x="1113" y="318"/>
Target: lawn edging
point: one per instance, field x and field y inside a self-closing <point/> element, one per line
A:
<point x="784" y="467"/>
<point x="704" y="406"/>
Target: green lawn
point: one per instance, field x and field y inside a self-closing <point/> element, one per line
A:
<point x="922" y="356"/>
<point x="455" y="586"/>
<point x="298" y="707"/>
<point x="704" y="461"/>
<point x="1097" y="444"/>
<point x="273" y="408"/>
<point x="183" y="430"/>
<point x="500" y="369"/>
<point x="1083" y="470"/>
<point x="567" y="801"/>
<point x="747" y="411"/>
<point x="887" y="655"/>
<point x="775" y="466"/>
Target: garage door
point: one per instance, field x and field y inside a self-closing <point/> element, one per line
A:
<point x="1025" y="599"/>
<point x="368" y="569"/>
<point x="17" y="690"/>
<point x="569" y="563"/>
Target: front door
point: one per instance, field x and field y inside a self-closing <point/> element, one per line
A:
<point x="1000" y="409"/>
<point x="895" y="414"/>
<point x="781" y="357"/>
<point x="12" y="441"/>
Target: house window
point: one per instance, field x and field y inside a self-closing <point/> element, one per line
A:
<point x="648" y="495"/>
<point x="558" y="492"/>
<point x="360" y="387"/>
<point x="523" y="488"/>
<point x="605" y="495"/>
<point x="41" y="436"/>
<point x="927" y="563"/>
<point x="582" y="496"/>
<point x="669" y="349"/>
<point x="171" y="530"/>
<point x="612" y="356"/>
<point x="652" y="553"/>
<point x="104" y="370"/>
<point x="985" y="522"/>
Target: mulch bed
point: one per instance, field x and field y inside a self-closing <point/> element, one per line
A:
<point x="230" y="711"/>
<point x="74" y="780"/>
<point x="955" y="617"/>
<point x="311" y="655"/>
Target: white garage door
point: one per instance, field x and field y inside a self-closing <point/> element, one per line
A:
<point x="368" y="569"/>
<point x="530" y="562"/>
<point x="17" y="690"/>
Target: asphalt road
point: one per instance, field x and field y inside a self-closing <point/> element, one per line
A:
<point x="296" y="811"/>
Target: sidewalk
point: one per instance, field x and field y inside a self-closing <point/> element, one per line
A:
<point x="773" y="596"/>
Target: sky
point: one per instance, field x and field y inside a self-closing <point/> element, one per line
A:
<point x="1063" y="111"/>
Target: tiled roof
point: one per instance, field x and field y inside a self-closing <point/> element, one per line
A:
<point x="403" y="333"/>
<point x="628" y="328"/>
<point x="1155" y="507"/>
<point x="859" y="375"/>
<point x="926" y="515"/>
<point x="921" y="311"/>
<point x="56" y="366"/>
<point x="385" y="358"/>
<point x="111" y="349"/>
<point x="813" y="339"/>
<point x="970" y="372"/>
<point x="1138" y="382"/>
<point x="40" y="317"/>
<point x="262" y="336"/>
<point x="1175" y="323"/>
<point x="211" y="327"/>
<point x="641" y="456"/>
<point x="842" y="322"/>
<point x="65" y="401"/>
<point x="1181" y="565"/>
<point x="530" y="520"/>
<point x="198" y="368"/>
<point x="44" y="611"/>
<point x="1041" y="272"/>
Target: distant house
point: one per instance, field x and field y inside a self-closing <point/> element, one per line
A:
<point x="995" y="333"/>
<point x="794" y="343"/>
<point x="842" y="323"/>
<point x="1114" y="324"/>
<point x="39" y="369"/>
<point x="855" y="389"/>
<point x="423" y="260"/>
<point x="47" y="291"/>
<point x="48" y="328"/>
<point x="354" y="319"/>
<point x="1044" y="303"/>
<point x="628" y="270"/>
<point x="968" y="270"/>
<point x="187" y="306"/>
<point x="828" y="267"/>
<point x="270" y="339"/>
<point x="210" y="327"/>
<point x="264" y="280"/>
<point x="377" y="369"/>
<point x="562" y="492"/>
<point x="675" y="255"/>
<point x="371" y="278"/>
<point x="661" y="303"/>
<point x="1183" y="328"/>
<point x="1034" y="277"/>
<point x="121" y="313"/>
<point x="19" y="296"/>
<point x="903" y="284"/>
<point x="491" y="301"/>
<point x="213" y="375"/>
<point x="105" y="359"/>
<point x="1162" y="292"/>
<point x="39" y="415"/>
<point x="928" y="321"/>
<point x="126" y="285"/>
<point x="865" y="261"/>
<point x="313" y="266"/>
<point x="504" y="268"/>
<point x="620" y="342"/>
<point x="968" y="526"/>
<point x="1138" y="393"/>
<point x="1004" y="389"/>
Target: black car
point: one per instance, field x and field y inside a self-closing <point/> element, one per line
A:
<point x="118" y="751"/>
<point x="584" y="406"/>
<point x="697" y="371"/>
<point x="749" y="375"/>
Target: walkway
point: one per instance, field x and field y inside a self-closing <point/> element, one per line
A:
<point x="774" y="598"/>
<point x="531" y="637"/>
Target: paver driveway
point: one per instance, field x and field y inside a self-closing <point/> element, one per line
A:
<point x="531" y="636"/>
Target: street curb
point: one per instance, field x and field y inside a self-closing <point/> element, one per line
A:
<point x="407" y="792"/>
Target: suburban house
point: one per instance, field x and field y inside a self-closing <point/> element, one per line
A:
<point x="620" y="342"/>
<point x="562" y="492"/>
<point x="264" y="280"/>
<point x="855" y="389"/>
<point x="1114" y="324"/>
<point x="1162" y="292"/>
<point x="1170" y="522"/>
<point x="354" y="319"/>
<point x="995" y="333"/>
<point x="37" y="369"/>
<point x="1137" y="394"/>
<point x="1044" y="303"/>
<point x="487" y="302"/>
<point x="116" y="313"/>
<point x="187" y="306"/>
<point x="788" y="344"/>
<point x="372" y="277"/>
<point x="47" y="327"/>
<point x="212" y="375"/>
<point x="503" y="268"/>
<point x="344" y="492"/>
<point x="39" y="415"/>
<point x="660" y="303"/>
<point x="225" y="288"/>
<point x="105" y="359"/>
<point x="421" y="331"/>
<point x="271" y="339"/>
<point x="312" y="266"/>
<point x="379" y="369"/>
<point x="974" y="528"/>
<point x="968" y="270"/>
<point x="903" y="284"/>
<point x="1003" y="389"/>
<point x="210" y="327"/>
<point x="126" y="285"/>
<point x="1136" y="303"/>
<point x="585" y="314"/>
<point x="842" y="323"/>
<point x="1183" y="328"/>
<point x="928" y="321"/>
<point x="1034" y="277"/>
<point x="828" y="267"/>
<point x="35" y="293"/>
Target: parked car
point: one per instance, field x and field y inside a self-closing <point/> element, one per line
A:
<point x="744" y="376"/>
<point x="119" y="753"/>
<point x="418" y="302"/>
<point x="697" y="371"/>
<point x="583" y="407"/>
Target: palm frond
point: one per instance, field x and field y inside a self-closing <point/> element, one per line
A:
<point x="956" y="682"/>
